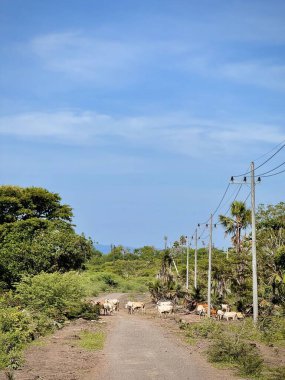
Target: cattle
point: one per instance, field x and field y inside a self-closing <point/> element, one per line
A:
<point x="225" y="307"/>
<point x="115" y="302"/>
<point x="132" y="306"/>
<point x="220" y="314"/>
<point x="108" y="307"/>
<point x="164" y="308"/>
<point x="230" y="315"/>
<point x="202" y="310"/>
<point x="129" y="306"/>
<point x="240" y="315"/>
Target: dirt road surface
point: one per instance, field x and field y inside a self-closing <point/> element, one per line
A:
<point x="138" y="347"/>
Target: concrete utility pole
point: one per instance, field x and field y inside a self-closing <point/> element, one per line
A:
<point x="187" y="264"/>
<point x="195" y="264"/>
<point x="210" y="266"/>
<point x="253" y="248"/>
<point x="165" y="242"/>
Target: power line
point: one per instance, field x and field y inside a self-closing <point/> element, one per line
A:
<point x="239" y="189"/>
<point x="265" y="162"/>
<point x="271" y="150"/>
<point x="269" y="171"/>
<point x="223" y="197"/>
<point x="271" y="175"/>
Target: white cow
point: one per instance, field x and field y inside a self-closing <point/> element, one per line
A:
<point x="129" y="306"/>
<point x="115" y="302"/>
<point x="220" y="314"/>
<point x="230" y="315"/>
<point x="132" y="306"/>
<point x="108" y="307"/>
<point x="164" y="309"/>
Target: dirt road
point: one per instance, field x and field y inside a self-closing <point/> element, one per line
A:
<point x="137" y="347"/>
<point x="140" y="348"/>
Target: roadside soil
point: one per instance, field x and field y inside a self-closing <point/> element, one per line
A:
<point x="139" y="346"/>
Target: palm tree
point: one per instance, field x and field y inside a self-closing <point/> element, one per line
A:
<point x="239" y="220"/>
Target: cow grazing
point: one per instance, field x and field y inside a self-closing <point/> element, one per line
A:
<point x="164" y="308"/>
<point x="230" y="315"/>
<point x="201" y="308"/>
<point x="115" y="302"/>
<point x="132" y="306"/>
<point x="129" y="306"/>
<point x="220" y="314"/>
<point x="108" y="307"/>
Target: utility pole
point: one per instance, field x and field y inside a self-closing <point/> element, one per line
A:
<point x="165" y="242"/>
<point x="210" y="266"/>
<point x="187" y="264"/>
<point x="195" y="264"/>
<point x="253" y="248"/>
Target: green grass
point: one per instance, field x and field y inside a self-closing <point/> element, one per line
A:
<point x="92" y="341"/>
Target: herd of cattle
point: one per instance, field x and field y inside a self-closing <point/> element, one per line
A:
<point x="109" y="306"/>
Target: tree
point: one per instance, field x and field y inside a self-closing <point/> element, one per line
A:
<point x="34" y="245"/>
<point x="36" y="234"/>
<point x="239" y="220"/>
<point x="17" y="203"/>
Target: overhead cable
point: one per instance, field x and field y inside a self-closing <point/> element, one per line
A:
<point x="271" y="170"/>
<point x="265" y="162"/>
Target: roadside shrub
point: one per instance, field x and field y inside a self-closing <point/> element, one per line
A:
<point x="110" y="280"/>
<point x="272" y="329"/>
<point x="229" y="349"/>
<point x="207" y="329"/>
<point x="84" y="310"/>
<point x="53" y="294"/>
<point x="15" y="332"/>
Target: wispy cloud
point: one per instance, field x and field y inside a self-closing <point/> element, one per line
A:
<point x="112" y="62"/>
<point x="84" y="58"/>
<point x="177" y="133"/>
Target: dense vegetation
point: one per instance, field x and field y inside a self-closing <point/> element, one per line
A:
<point x="48" y="271"/>
<point x="38" y="251"/>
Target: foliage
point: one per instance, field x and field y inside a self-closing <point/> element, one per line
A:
<point x="55" y="294"/>
<point x="228" y="349"/>
<point x="239" y="220"/>
<point x="18" y="203"/>
<point x="15" y="332"/>
<point x="208" y="329"/>
<point x="35" y="245"/>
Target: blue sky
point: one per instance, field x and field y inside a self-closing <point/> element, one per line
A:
<point x="137" y="113"/>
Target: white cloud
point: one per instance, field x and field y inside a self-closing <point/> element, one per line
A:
<point x="86" y="58"/>
<point x="178" y="133"/>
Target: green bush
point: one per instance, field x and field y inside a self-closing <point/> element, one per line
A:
<point x="230" y="349"/>
<point x="206" y="329"/>
<point x="53" y="294"/>
<point x="84" y="310"/>
<point x="15" y="332"/>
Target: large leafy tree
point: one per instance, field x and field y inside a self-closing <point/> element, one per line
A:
<point x="36" y="234"/>
<point x="17" y="203"/>
<point x="234" y="224"/>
